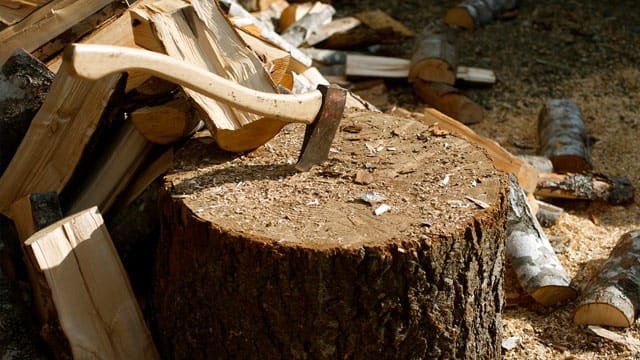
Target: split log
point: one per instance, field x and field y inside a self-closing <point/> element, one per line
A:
<point x="298" y="32"/>
<point x="312" y="263"/>
<point x="541" y="163"/>
<point x="89" y="289"/>
<point x="75" y="33"/>
<point x="434" y="56"/>
<point x="448" y="100"/>
<point x="539" y="271"/>
<point x="55" y="140"/>
<point x="24" y="84"/>
<point x="12" y="12"/>
<point x="612" y="189"/>
<point x="167" y="123"/>
<point x="612" y="297"/>
<point x="376" y="28"/>
<point x="45" y="24"/>
<point x="472" y="14"/>
<point x="502" y="159"/>
<point x="338" y="26"/>
<point x="30" y="214"/>
<point x="563" y="137"/>
<point x="200" y="35"/>
<point x="111" y="172"/>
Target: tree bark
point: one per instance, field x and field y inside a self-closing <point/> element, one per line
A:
<point x="563" y="136"/>
<point x="612" y="298"/>
<point x="539" y="271"/>
<point x="612" y="189"/>
<point x="434" y="56"/>
<point x="24" y="84"/>
<point x="257" y="260"/>
<point x="472" y="14"/>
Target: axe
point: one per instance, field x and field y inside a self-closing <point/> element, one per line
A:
<point x="321" y="109"/>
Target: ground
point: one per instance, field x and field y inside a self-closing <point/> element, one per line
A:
<point x="585" y="51"/>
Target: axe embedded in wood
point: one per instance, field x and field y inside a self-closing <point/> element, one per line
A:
<point x="321" y="109"/>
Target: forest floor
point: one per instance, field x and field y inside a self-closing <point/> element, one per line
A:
<point x="584" y="51"/>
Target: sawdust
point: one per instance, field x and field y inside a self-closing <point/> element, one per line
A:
<point x="421" y="185"/>
<point x="583" y="51"/>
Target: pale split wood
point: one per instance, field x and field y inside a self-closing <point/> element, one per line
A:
<point x="166" y="123"/>
<point x="12" y="11"/>
<point x="299" y="32"/>
<point x="54" y="142"/>
<point x="201" y="35"/>
<point x="538" y="269"/>
<point x="90" y="289"/>
<point x="45" y="24"/>
<point x="611" y="298"/>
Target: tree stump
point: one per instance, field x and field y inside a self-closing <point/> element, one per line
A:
<point x="257" y="260"/>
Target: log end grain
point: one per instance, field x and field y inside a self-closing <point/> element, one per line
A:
<point x="255" y="257"/>
<point x="459" y="16"/>
<point x="601" y="314"/>
<point x="554" y="295"/>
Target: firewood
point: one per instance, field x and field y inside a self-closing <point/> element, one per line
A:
<point x="112" y="171"/>
<point x="612" y="189"/>
<point x="55" y="140"/>
<point x="24" y="83"/>
<point x="502" y="159"/>
<point x="563" y="137"/>
<point x="298" y="32"/>
<point x="166" y="123"/>
<point x="118" y="32"/>
<point x="75" y="33"/>
<point x="201" y="35"/>
<point x="12" y="12"/>
<point x="376" y="28"/>
<point x="90" y="292"/>
<point x="472" y="14"/>
<point x="538" y="269"/>
<point x="541" y="163"/>
<point x="46" y="23"/>
<point x="293" y="13"/>
<point x="434" y="56"/>
<point x="242" y="19"/>
<point x="448" y="100"/>
<point x="325" y="31"/>
<point x="611" y="297"/>
<point x="548" y="214"/>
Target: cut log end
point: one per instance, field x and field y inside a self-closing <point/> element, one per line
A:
<point x="554" y="295"/>
<point x="601" y="314"/>
<point x="459" y="16"/>
<point x="433" y="70"/>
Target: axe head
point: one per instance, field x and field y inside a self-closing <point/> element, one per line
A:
<point x="320" y="133"/>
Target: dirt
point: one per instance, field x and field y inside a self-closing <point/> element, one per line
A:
<point x="585" y="51"/>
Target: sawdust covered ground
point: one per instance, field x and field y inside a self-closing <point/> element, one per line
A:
<point x="585" y="51"/>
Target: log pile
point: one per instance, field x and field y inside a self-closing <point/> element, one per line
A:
<point x="86" y="164"/>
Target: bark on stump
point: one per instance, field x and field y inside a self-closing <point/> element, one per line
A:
<point x="257" y="260"/>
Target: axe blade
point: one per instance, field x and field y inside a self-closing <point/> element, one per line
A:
<point x="320" y="133"/>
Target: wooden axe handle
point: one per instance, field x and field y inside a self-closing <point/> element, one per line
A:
<point x="95" y="61"/>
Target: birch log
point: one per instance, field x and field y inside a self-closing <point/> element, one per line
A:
<point x="563" y="137"/>
<point x="539" y="271"/>
<point x="612" y="298"/>
<point x="448" y="100"/>
<point x="612" y="189"/>
<point x="434" y="56"/>
<point x="472" y="14"/>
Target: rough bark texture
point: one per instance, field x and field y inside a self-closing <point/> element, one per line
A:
<point x="563" y="136"/>
<point x="613" y="189"/>
<point x="539" y="271"/>
<point x="229" y="288"/>
<point x="612" y="298"/>
<point x="24" y="84"/>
